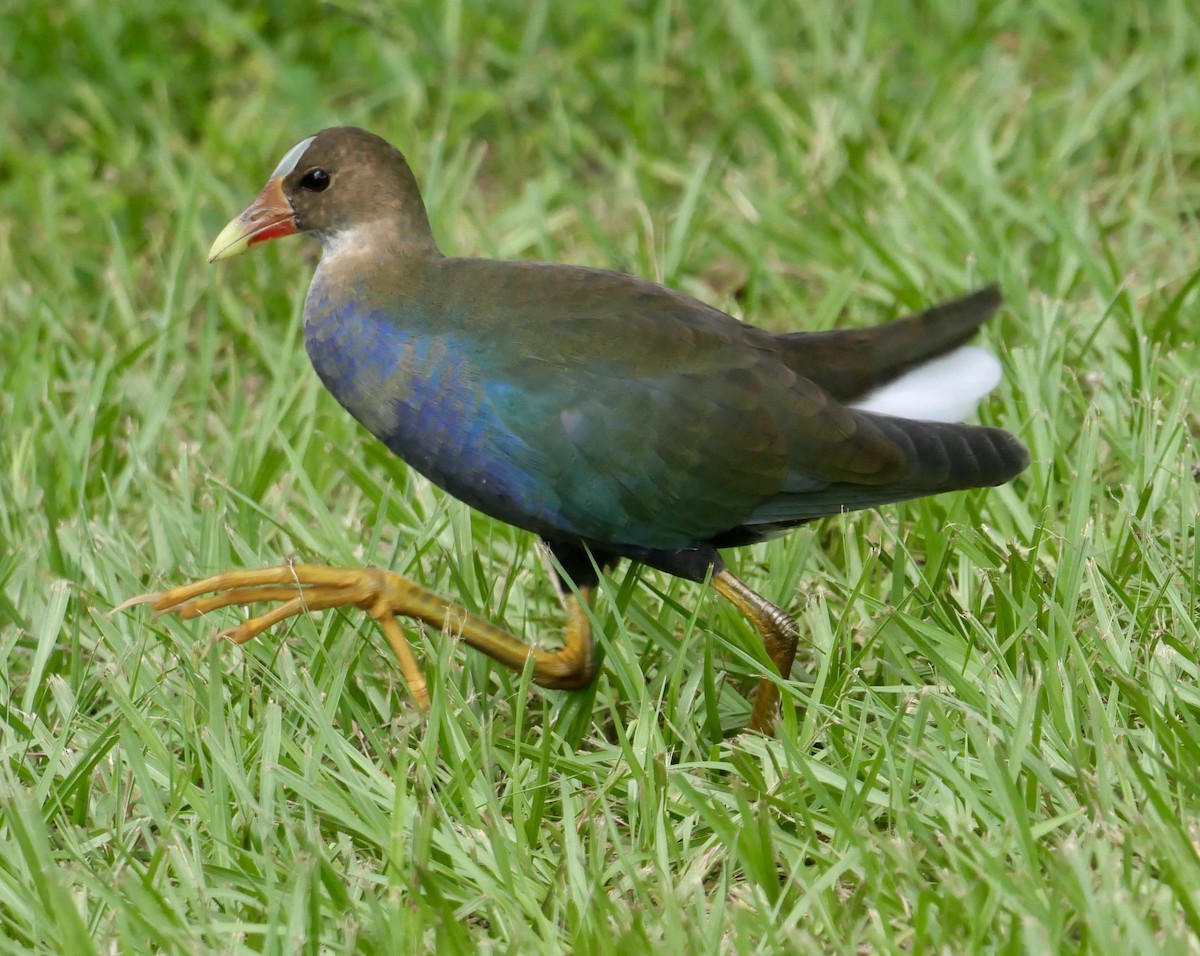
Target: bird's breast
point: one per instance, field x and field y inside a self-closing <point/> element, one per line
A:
<point x="423" y="393"/>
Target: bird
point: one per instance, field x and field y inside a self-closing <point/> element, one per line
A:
<point x="611" y="416"/>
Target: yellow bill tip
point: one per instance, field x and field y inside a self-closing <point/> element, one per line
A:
<point x="232" y="241"/>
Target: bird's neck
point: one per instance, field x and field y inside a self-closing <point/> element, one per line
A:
<point x="391" y="238"/>
<point x="368" y="264"/>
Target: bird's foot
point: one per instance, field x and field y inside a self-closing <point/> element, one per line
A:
<point x="780" y="634"/>
<point x="304" y="587"/>
<point x="385" y="596"/>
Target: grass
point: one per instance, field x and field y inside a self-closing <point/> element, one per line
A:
<point x="999" y="750"/>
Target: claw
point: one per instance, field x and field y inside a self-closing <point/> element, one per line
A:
<point x="125" y="605"/>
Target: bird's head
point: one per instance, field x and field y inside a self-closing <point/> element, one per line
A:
<point x="338" y="180"/>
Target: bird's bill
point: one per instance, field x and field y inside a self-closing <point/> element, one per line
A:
<point x="268" y="217"/>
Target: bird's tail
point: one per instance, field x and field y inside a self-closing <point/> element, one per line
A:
<point x="850" y="364"/>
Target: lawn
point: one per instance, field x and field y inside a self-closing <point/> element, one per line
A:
<point x="999" y="749"/>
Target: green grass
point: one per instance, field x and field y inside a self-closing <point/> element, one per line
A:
<point x="1000" y="749"/>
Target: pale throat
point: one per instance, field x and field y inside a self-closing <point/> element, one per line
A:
<point x="371" y="245"/>
<point x="351" y="242"/>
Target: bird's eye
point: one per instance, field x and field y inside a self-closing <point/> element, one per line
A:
<point x="315" y="180"/>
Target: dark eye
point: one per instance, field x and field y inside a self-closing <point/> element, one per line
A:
<point x="315" y="180"/>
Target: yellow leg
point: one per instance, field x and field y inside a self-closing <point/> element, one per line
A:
<point x="779" y="633"/>
<point x="385" y="596"/>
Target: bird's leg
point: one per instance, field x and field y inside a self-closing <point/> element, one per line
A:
<point x="779" y="632"/>
<point x="385" y="596"/>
